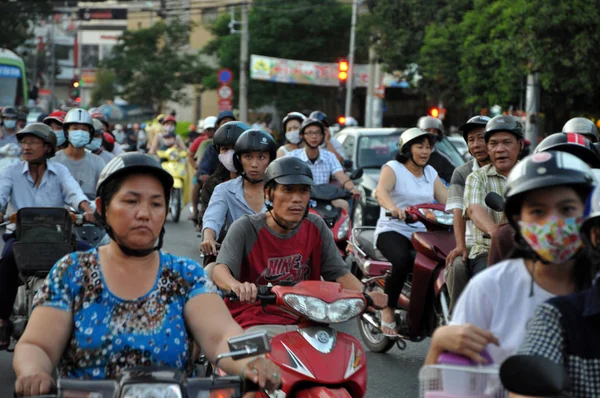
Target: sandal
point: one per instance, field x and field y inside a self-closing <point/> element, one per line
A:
<point x="5" y="334"/>
<point x="391" y="325"/>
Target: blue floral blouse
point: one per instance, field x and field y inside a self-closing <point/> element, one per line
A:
<point x="110" y="333"/>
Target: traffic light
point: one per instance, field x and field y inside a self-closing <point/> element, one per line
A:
<point x="341" y="120"/>
<point x="435" y="112"/>
<point x="343" y="70"/>
<point x="74" y="91"/>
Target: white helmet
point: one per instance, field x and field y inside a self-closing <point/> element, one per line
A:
<point x="200" y="125"/>
<point x="410" y="135"/>
<point x="79" y="116"/>
<point x="210" y="122"/>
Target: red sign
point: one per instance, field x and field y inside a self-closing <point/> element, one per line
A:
<point x="225" y="105"/>
<point x="44" y="92"/>
<point x="225" y="92"/>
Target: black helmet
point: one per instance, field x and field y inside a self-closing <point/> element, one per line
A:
<point x="320" y="116"/>
<point x="473" y="123"/>
<point x="506" y="123"/>
<point x="223" y="115"/>
<point x="292" y="116"/>
<point x="42" y="131"/>
<point x="575" y="144"/>
<point x="544" y="170"/>
<point x="288" y="170"/>
<point x="581" y="125"/>
<point x="253" y="140"/>
<point x="21" y="116"/>
<point x="228" y="134"/>
<point x="311" y="122"/>
<point x="132" y="162"/>
<point x="9" y="111"/>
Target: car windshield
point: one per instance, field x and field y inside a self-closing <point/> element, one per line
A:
<point x="376" y="150"/>
<point x="445" y="146"/>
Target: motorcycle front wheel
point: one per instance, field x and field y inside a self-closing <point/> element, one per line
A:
<point x="175" y="204"/>
<point x="372" y="337"/>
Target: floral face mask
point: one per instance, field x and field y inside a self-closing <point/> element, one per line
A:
<point x="556" y="240"/>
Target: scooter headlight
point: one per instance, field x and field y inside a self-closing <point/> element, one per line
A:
<point x="438" y="216"/>
<point x="143" y="390"/>
<point x="320" y="311"/>
<point x="344" y="228"/>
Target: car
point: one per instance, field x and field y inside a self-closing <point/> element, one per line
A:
<point x="34" y="113"/>
<point x="369" y="149"/>
<point x="460" y="144"/>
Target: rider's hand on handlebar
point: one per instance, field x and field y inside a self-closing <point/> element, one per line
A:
<point x="380" y="299"/>
<point x="209" y="246"/>
<point x="263" y="372"/>
<point x="457" y="251"/>
<point x="355" y="192"/>
<point x="467" y="340"/>
<point x="246" y="292"/>
<point x="89" y="216"/>
<point x="398" y="213"/>
<point x="35" y="384"/>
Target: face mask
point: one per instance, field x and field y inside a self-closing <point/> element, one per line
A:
<point x="227" y="160"/>
<point x="556" y="240"/>
<point x="169" y="129"/>
<point x="95" y="144"/>
<point x="60" y="137"/>
<point x="10" y="124"/>
<point x="293" y="136"/>
<point x="79" y="138"/>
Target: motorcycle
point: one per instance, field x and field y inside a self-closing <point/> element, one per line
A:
<point x="153" y="381"/>
<point x="43" y="236"/>
<point x="174" y="161"/>
<point x="337" y="219"/>
<point x="534" y="376"/>
<point x="424" y="297"/>
<point x="317" y="360"/>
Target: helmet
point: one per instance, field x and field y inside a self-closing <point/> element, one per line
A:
<point x="575" y="144"/>
<point x="430" y="122"/>
<point x="292" y="116"/>
<point x="100" y="116"/>
<point x="108" y="141"/>
<point x="253" y="140"/>
<point x="288" y="170"/>
<point x="506" y="123"/>
<point x="223" y="115"/>
<point x="98" y="126"/>
<point x="544" y="170"/>
<point x="56" y="116"/>
<point x="581" y="125"/>
<point x="22" y="116"/>
<point x="320" y="116"/>
<point x="473" y="123"/>
<point x="42" y="131"/>
<point x="350" y="122"/>
<point x="228" y="134"/>
<point x="592" y="210"/>
<point x="9" y="111"/>
<point x="133" y="162"/>
<point x="80" y="116"/>
<point x="169" y="119"/>
<point x="209" y="123"/>
<point x="410" y="135"/>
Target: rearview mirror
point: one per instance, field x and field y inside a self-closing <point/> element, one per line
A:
<point x="356" y="174"/>
<point x="494" y="202"/>
<point x="535" y="376"/>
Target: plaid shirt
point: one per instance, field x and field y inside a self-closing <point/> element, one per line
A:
<point x="323" y="168"/>
<point x="479" y="184"/>
<point x="565" y="331"/>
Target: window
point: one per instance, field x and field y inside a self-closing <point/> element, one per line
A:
<point x="348" y="145"/>
<point x="376" y="150"/>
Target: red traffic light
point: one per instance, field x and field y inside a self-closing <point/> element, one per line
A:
<point x="341" y="120"/>
<point x="435" y="112"/>
<point x="78" y="99"/>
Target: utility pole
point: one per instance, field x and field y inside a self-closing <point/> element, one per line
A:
<point x="244" y="65"/>
<point x="370" y="88"/>
<point x="532" y="107"/>
<point x="349" y="82"/>
<point x="162" y="13"/>
<point x="52" y="64"/>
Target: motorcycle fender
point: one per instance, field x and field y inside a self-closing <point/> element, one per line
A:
<point x="323" y="392"/>
<point x="177" y="183"/>
<point x="440" y="280"/>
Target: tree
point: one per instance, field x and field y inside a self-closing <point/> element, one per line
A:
<point x="307" y="30"/>
<point x="152" y="66"/>
<point x="104" y="88"/>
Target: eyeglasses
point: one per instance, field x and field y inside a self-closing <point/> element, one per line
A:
<point x="31" y="143"/>
<point x="313" y="133"/>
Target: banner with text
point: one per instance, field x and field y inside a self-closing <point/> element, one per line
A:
<point x="292" y="71"/>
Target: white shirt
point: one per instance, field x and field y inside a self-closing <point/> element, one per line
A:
<point x="409" y="190"/>
<point x="497" y="300"/>
<point x="323" y="168"/>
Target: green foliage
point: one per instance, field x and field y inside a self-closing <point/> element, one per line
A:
<point x="302" y="30"/>
<point x="105" y="86"/>
<point x="152" y="65"/>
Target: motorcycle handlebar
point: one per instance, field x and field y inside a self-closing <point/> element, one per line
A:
<point x="410" y="219"/>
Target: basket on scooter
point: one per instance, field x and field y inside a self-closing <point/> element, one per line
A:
<point x="43" y="236"/>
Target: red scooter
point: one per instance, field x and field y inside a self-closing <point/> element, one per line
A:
<point x="424" y="295"/>
<point x="338" y="220"/>
<point x="317" y="360"/>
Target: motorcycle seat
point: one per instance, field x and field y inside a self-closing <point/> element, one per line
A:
<point x="327" y="193"/>
<point x="365" y="239"/>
